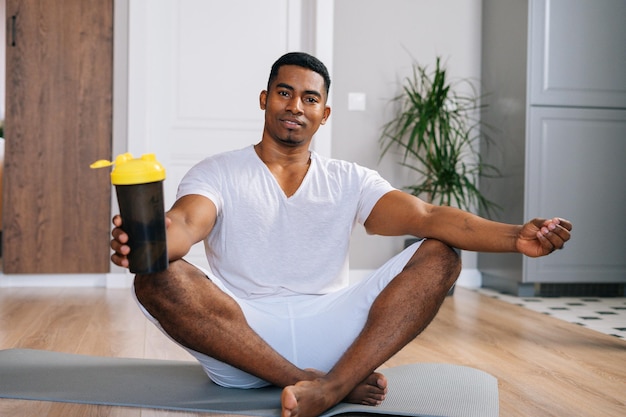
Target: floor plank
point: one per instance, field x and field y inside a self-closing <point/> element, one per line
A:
<point x="545" y="366"/>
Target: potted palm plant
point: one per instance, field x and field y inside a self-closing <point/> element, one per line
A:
<point x="436" y="131"/>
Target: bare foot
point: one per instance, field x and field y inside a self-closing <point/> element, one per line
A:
<point x="311" y="398"/>
<point x="371" y="391"/>
<point x="306" y="398"/>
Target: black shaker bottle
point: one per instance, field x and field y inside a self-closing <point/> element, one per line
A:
<point x="139" y="188"/>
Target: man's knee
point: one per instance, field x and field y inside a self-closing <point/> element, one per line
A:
<point x="440" y="258"/>
<point x="165" y="285"/>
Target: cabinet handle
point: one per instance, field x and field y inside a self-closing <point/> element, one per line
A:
<point x="13" y="29"/>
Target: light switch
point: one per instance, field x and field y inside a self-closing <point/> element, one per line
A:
<point x="356" y="101"/>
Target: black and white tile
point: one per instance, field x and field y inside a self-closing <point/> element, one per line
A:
<point x="603" y="314"/>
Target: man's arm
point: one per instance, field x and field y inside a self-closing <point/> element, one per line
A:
<point x="398" y="213"/>
<point x="189" y="221"/>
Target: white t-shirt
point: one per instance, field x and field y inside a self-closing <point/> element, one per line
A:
<point x="266" y="244"/>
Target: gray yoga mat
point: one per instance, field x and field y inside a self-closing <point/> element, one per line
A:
<point x="423" y="389"/>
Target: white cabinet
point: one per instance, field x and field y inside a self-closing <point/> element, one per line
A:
<point x="575" y="168"/>
<point x="555" y="72"/>
<point x="577" y="53"/>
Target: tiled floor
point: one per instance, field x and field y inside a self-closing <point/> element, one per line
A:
<point x="606" y="315"/>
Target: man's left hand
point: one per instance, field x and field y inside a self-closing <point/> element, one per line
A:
<point x="540" y="237"/>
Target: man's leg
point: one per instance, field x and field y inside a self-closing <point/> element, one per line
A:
<point x="196" y="313"/>
<point x="402" y="311"/>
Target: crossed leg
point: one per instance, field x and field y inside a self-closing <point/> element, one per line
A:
<point x="196" y="313"/>
<point x="400" y="313"/>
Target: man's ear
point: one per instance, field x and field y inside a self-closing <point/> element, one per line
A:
<point x="326" y="115"/>
<point x="263" y="99"/>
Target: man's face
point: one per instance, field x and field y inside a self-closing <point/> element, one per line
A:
<point x="295" y="106"/>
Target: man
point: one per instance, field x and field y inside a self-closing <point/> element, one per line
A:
<point x="276" y="220"/>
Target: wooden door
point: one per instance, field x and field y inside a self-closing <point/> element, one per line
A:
<point x="56" y="211"/>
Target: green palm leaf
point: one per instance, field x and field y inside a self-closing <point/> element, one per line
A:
<point x="435" y="130"/>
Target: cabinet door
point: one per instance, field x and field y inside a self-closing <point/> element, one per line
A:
<point x="56" y="211"/>
<point x="578" y="53"/>
<point x="575" y="169"/>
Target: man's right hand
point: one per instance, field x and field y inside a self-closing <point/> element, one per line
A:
<point x="119" y="243"/>
<point x="189" y="221"/>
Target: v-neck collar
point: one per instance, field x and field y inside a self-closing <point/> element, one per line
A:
<point x="275" y="180"/>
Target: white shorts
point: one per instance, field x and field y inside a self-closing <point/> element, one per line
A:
<point x="315" y="330"/>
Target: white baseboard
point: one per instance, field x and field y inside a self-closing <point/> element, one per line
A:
<point x="469" y="278"/>
<point x="120" y="280"/>
<point x="52" y="280"/>
<point x="115" y="280"/>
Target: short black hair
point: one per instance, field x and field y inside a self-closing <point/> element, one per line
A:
<point x="300" y="59"/>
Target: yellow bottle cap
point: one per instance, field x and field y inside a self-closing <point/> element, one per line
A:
<point x="129" y="170"/>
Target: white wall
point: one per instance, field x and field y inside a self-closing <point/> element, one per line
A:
<point x="375" y="42"/>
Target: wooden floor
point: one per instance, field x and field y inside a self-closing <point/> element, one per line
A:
<point x="545" y="367"/>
